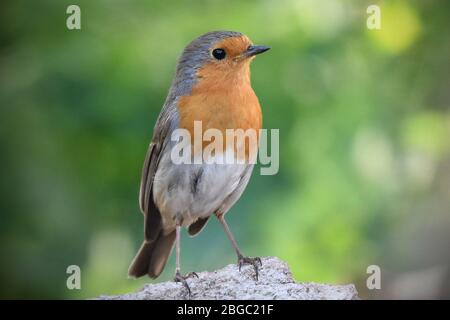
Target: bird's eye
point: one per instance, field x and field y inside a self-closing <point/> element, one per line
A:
<point x="219" y="54"/>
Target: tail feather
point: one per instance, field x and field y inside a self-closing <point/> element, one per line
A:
<point x="152" y="256"/>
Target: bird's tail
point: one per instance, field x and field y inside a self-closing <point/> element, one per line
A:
<point x="152" y="256"/>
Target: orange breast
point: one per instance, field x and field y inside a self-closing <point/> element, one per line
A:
<point x="222" y="102"/>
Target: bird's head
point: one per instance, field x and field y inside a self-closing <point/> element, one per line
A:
<point x="217" y="57"/>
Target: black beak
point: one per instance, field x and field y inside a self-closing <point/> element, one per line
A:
<point x="254" y="50"/>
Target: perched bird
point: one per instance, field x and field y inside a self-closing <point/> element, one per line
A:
<point x="211" y="85"/>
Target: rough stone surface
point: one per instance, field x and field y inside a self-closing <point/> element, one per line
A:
<point x="275" y="282"/>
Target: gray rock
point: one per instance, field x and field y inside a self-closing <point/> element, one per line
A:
<point x="275" y="282"/>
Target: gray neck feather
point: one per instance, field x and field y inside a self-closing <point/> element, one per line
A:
<point x="193" y="57"/>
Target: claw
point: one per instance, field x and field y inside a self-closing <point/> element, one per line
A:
<point x="180" y="278"/>
<point x="252" y="261"/>
<point x="191" y="274"/>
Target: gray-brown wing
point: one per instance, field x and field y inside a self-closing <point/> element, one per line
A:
<point x="166" y="123"/>
<point x="149" y="166"/>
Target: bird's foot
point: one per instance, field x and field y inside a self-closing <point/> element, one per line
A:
<point x="180" y="278"/>
<point x="255" y="262"/>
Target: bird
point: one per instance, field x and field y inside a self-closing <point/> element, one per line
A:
<point x="211" y="85"/>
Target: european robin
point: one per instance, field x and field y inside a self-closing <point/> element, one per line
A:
<point x="212" y="86"/>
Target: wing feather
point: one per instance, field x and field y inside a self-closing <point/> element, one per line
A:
<point x="166" y="123"/>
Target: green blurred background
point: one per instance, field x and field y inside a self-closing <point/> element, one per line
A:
<point x="364" y="127"/>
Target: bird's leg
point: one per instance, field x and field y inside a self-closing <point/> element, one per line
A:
<point x="255" y="262"/>
<point x="178" y="276"/>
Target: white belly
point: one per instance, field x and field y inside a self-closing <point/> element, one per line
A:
<point x="178" y="196"/>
